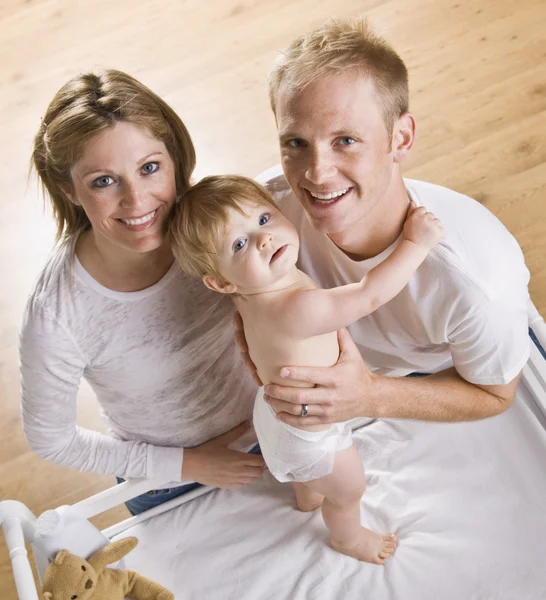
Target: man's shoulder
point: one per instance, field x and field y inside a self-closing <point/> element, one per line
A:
<point x="477" y="247"/>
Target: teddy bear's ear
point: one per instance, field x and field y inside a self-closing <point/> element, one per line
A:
<point x="48" y="596"/>
<point x="60" y="557"/>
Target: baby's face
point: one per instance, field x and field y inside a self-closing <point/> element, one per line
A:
<point x="258" y="248"/>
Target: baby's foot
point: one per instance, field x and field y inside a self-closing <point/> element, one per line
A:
<point x="369" y="546"/>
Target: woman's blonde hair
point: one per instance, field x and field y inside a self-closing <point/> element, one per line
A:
<point x="86" y="105"/>
<point x="341" y="45"/>
<point x="201" y="216"/>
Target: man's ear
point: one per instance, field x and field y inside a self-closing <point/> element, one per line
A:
<point x="217" y="284"/>
<point x="403" y="136"/>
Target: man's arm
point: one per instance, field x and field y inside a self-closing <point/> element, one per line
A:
<point x="349" y="390"/>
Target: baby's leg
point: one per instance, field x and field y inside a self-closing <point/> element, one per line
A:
<point x="306" y="499"/>
<point x="343" y="489"/>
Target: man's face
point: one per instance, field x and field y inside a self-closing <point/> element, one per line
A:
<point x="335" y="150"/>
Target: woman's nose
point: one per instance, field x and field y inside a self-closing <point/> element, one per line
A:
<point x="133" y="195"/>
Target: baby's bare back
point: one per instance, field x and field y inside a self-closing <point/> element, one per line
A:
<point x="272" y="345"/>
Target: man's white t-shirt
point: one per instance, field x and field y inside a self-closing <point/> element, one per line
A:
<point x="467" y="304"/>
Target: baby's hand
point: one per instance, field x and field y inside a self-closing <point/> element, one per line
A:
<point x="422" y="228"/>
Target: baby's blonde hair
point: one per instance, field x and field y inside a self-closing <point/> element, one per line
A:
<point x="201" y="216"/>
<point x="341" y="45"/>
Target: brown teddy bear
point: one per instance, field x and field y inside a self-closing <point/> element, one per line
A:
<point x="70" y="577"/>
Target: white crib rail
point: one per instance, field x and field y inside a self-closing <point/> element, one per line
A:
<point x="18" y="524"/>
<point x="534" y="372"/>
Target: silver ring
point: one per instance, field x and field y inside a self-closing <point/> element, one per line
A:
<point x="304" y="410"/>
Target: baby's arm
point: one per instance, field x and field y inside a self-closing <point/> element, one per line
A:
<point x="315" y="312"/>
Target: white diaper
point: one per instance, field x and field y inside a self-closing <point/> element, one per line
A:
<point x="293" y="454"/>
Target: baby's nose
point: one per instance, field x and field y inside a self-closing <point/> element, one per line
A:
<point x="264" y="239"/>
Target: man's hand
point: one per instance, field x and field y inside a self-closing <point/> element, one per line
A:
<point x="240" y="340"/>
<point x="342" y="392"/>
<point x="214" y="464"/>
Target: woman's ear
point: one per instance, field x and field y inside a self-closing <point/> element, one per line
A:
<point x="70" y="196"/>
<point x="217" y="284"/>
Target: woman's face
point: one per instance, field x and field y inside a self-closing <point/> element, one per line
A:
<point x="125" y="183"/>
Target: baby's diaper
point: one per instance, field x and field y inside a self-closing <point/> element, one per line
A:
<point x="293" y="454"/>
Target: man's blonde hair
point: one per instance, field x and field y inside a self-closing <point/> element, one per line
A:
<point x="201" y="217"/>
<point x="340" y="45"/>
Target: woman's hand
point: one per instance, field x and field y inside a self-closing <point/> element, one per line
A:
<point x="214" y="464"/>
<point x="240" y="340"/>
<point x="342" y="392"/>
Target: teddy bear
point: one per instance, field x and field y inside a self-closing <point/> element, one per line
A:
<point x="70" y="577"/>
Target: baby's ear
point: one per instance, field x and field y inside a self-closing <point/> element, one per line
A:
<point x="219" y="285"/>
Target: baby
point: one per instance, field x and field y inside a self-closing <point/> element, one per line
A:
<point x="228" y="230"/>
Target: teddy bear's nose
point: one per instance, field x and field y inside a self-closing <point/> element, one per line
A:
<point x="88" y="584"/>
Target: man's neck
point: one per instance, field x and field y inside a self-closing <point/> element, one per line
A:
<point x="379" y="230"/>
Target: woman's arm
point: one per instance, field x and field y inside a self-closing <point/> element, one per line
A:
<point x="51" y="370"/>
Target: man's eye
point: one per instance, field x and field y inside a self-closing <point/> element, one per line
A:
<point x="239" y="245"/>
<point x="347" y="141"/>
<point x="264" y="219"/>
<point x="103" y="181"/>
<point x="150" y="167"/>
<point x="296" y="143"/>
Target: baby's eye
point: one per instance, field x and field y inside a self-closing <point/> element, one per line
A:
<point x="264" y="219"/>
<point x="239" y="245"/>
<point x="150" y="167"/>
<point x="103" y="181"/>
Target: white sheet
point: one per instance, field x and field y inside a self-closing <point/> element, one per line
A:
<point x="468" y="502"/>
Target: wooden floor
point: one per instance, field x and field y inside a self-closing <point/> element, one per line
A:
<point x="478" y="82"/>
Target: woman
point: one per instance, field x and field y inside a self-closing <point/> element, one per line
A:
<point x="112" y="307"/>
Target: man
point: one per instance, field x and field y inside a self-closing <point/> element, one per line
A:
<point x="340" y="99"/>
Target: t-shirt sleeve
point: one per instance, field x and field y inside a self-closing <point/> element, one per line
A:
<point x="490" y="345"/>
<point x="52" y="366"/>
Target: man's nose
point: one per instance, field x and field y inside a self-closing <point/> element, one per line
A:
<point x="264" y="239"/>
<point x="320" y="168"/>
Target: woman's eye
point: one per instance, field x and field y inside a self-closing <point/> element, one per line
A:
<point x="347" y="141"/>
<point x="150" y="167"/>
<point x="239" y="245"/>
<point x="103" y="181"/>
<point x="264" y="219"/>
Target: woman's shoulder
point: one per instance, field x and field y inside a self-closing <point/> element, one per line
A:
<point x="54" y="277"/>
